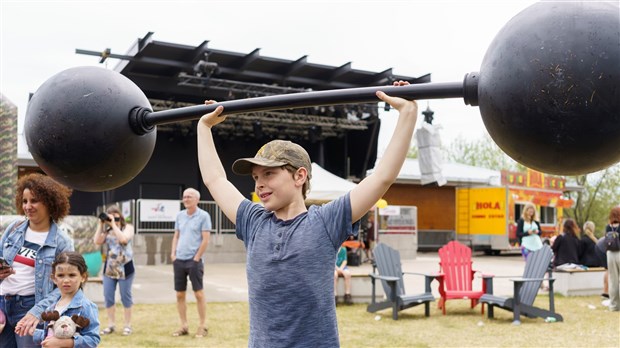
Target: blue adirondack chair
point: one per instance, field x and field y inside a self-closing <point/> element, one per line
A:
<point x="525" y="290"/>
<point x="387" y="262"/>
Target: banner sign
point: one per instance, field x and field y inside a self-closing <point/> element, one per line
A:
<point x="159" y="210"/>
<point x="395" y="219"/>
<point x="487" y="211"/>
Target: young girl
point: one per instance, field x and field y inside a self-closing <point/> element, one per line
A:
<point x="69" y="272"/>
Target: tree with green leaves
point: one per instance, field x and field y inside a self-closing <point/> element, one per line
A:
<point x="8" y="155"/>
<point x="482" y="152"/>
<point x="601" y="192"/>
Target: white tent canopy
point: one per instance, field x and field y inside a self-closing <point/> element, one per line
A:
<point x="325" y="186"/>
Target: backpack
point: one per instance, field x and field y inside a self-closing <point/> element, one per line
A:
<point x="612" y="240"/>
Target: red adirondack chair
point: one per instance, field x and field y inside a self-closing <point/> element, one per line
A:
<point x="456" y="275"/>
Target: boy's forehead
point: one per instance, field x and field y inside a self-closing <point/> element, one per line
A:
<point x="257" y="168"/>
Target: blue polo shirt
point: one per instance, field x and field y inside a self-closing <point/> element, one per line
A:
<point x="290" y="271"/>
<point x="190" y="229"/>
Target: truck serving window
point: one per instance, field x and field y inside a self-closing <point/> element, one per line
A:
<point x="547" y="215"/>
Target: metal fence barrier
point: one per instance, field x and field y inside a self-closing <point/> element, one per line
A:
<point x="131" y="210"/>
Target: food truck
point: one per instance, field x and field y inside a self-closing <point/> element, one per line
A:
<point x="486" y="216"/>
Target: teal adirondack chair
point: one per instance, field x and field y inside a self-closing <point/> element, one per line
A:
<point x="525" y="290"/>
<point x="387" y="263"/>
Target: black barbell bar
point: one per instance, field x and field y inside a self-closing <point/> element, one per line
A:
<point x="143" y="120"/>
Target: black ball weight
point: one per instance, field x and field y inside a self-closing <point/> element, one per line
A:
<point x="549" y="89"/>
<point x="77" y="129"/>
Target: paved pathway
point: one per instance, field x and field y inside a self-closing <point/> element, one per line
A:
<point x="226" y="282"/>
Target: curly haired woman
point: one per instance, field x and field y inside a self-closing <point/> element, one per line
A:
<point x="30" y="247"/>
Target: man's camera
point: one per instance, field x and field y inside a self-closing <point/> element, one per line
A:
<point x="104" y="217"/>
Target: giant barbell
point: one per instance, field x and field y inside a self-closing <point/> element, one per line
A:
<point x="548" y="92"/>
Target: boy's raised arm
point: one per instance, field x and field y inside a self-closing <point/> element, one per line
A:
<point x="213" y="174"/>
<point x="373" y="187"/>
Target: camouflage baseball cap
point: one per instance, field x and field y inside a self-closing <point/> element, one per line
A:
<point x="275" y="153"/>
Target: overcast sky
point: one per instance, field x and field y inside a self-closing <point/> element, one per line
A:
<point x="445" y="38"/>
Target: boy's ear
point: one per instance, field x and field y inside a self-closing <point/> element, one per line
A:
<point x="301" y="174"/>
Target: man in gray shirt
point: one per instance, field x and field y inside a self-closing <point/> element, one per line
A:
<point x="191" y="237"/>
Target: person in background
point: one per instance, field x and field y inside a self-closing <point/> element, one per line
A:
<point x="69" y="273"/>
<point x="587" y="247"/>
<point x="565" y="246"/>
<point x="191" y="237"/>
<point x="119" y="269"/>
<point x="613" y="262"/>
<point x="590" y="255"/>
<point x="342" y="270"/>
<point x="527" y="226"/>
<point x="602" y="254"/>
<point x="369" y="229"/>
<point x="30" y="246"/>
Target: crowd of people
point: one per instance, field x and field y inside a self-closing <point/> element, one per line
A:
<point x="575" y="247"/>
<point x="46" y="275"/>
<point x="42" y="277"/>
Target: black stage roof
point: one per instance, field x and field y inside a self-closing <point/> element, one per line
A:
<point x="343" y="139"/>
<point x="167" y="70"/>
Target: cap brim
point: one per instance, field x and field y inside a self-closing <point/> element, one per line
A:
<point x="243" y="166"/>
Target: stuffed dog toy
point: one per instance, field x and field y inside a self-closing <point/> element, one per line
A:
<point x="63" y="327"/>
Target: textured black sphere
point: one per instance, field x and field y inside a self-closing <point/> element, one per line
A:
<point x="77" y="129"/>
<point x="549" y="88"/>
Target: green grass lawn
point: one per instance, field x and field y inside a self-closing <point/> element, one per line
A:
<point x="586" y="324"/>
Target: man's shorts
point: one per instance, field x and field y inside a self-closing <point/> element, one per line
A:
<point x="182" y="269"/>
